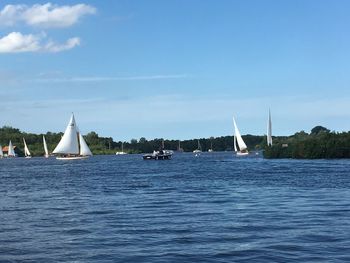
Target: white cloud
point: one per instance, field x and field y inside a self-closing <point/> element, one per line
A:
<point x="69" y="44"/>
<point x="102" y="78"/>
<point x="16" y="42"/>
<point x="44" y="15"/>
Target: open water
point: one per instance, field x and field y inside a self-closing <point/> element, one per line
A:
<point x="212" y="208"/>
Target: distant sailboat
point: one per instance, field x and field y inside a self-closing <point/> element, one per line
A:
<point x="122" y="152"/>
<point x="26" y="150"/>
<point x="238" y="141"/>
<point x="45" y="148"/>
<point x="11" y="150"/>
<point x="1" y="152"/>
<point x="211" y="147"/>
<point x="199" y="148"/>
<point x="269" y="130"/>
<point x="68" y="147"/>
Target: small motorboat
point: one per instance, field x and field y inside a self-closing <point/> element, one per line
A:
<point x="158" y="155"/>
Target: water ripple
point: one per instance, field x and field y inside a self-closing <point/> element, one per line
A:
<point x="215" y="208"/>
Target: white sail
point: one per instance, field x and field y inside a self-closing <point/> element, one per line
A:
<point x="69" y="143"/>
<point x="84" y="148"/>
<point x="269" y="130"/>
<point x="242" y="146"/>
<point x="235" y="143"/>
<point x="45" y="147"/>
<point x="26" y="150"/>
<point x="1" y="152"/>
<point x="11" y="151"/>
<point x="199" y="146"/>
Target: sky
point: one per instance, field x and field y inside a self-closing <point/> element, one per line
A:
<point x="176" y="69"/>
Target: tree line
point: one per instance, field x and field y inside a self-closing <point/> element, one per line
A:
<point x="106" y="145"/>
<point x="319" y="143"/>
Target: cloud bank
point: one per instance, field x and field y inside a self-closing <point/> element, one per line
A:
<point x="44" y="15"/>
<point x="16" y="42"/>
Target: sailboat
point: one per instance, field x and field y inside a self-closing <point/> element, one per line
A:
<point x="45" y="148"/>
<point x="11" y="150"/>
<point x="122" y="152"/>
<point x="239" y="145"/>
<point x="211" y="147"/>
<point x="26" y="150"/>
<point x="199" y="148"/>
<point x="269" y="130"/>
<point x="68" y="147"/>
<point x="1" y="152"/>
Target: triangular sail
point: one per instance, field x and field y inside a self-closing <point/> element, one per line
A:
<point x="84" y="148"/>
<point x="69" y="143"/>
<point x="1" y="152"/>
<point x="269" y="130"/>
<point x="235" y="143"/>
<point x="45" y="147"/>
<point x="26" y="150"/>
<point x="11" y="151"/>
<point x="199" y="145"/>
<point x="242" y="146"/>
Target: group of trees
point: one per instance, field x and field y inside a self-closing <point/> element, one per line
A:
<point x="106" y="145"/>
<point x="319" y="143"/>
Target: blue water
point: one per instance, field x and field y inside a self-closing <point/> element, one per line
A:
<point x="212" y="208"/>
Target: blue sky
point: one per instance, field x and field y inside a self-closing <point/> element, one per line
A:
<point x="175" y="69"/>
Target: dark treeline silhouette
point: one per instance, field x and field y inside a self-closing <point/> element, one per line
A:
<point x="106" y="145"/>
<point x="320" y="143"/>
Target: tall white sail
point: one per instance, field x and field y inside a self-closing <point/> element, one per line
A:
<point x="69" y="143"/>
<point x="242" y="146"/>
<point x="199" y="146"/>
<point x="269" y="130"/>
<point x="26" y="150"/>
<point x="235" y="143"/>
<point x="45" y="147"/>
<point x="11" y="151"/>
<point x="84" y="148"/>
<point x="1" y="152"/>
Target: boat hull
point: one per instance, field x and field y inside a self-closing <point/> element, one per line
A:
<point x="242" y="153"/>
<point x="72" y="157"/>
<point x="157" y="157"/>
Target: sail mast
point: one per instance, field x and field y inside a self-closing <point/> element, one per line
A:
<point x="45" y="147"/>
<point x="1" y="152"/>
<point x="269" y="130"/>
<point x="235" y="143"/>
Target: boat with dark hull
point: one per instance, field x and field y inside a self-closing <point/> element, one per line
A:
<point x="158" y="155"/>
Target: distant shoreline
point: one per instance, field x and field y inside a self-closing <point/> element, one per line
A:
<point x="320" y="143"/>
